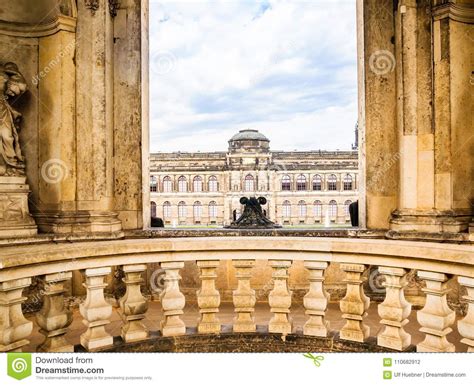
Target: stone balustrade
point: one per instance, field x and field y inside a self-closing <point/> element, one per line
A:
<point x="54" y="267"/>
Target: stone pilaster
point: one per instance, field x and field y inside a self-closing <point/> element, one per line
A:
<point x="244" y="297"/>
<point x="466" y="325"/>
<point x="316" y="300"/>
<point x="280" y="298"/>
<point x="436" y="317"/>
<point x="54" y="318"/>
<point x="355" y="304"/>
<point x="133" y="305"/>
<point x="14" y="327"/>
<point x="95" y="310"/>
<point x="394" y="310"/>
<point x="172" y="300"/>
<point x="208" y="298"/>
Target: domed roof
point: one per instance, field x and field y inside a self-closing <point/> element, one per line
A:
<point x="249" y="135"/>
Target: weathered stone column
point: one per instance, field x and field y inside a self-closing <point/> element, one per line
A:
<point x="172" y="300"/>
<point x="133" y="305"/>
<point x="280" y="298"/>
<point x="394" y="310"/>
<point x="436" y="317"/>
<point x="54" y="318"/>
<point x="244" y="297"/>
<point x="208" y="298"/>
<point x="316" y="300"/>
<point x="95" y="310"/>
<point x="14" y="328"/>
<point x="355" y="304"/>
<point x="466" y="325"/>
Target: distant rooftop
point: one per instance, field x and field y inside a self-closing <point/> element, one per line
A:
<point x="249" y="134"/>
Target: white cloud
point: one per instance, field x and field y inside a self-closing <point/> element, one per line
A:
<point x="277" y="66"/>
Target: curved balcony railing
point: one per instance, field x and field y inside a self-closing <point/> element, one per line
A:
<point x="435" y="264"/>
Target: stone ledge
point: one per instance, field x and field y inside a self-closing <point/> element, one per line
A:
<point x="228" y="342"/>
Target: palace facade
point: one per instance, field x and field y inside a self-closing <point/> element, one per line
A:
<point x="301" y="187"/>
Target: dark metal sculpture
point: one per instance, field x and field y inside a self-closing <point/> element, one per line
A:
<point x="253" y="216"/>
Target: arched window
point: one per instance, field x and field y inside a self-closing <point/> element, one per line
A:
<point x="197" y="211"/>
<point x="318" y="209"/>
<point x="301" y="183"/>
<point x="213" y="187"/>
<point x="182" y="184"/>
<point x="332" y="210"/>
<point x="286" y="183"/>
<point x="346" y="208"/>
<point x="302" y="209"/>
<point x="286" y="209"/>
<point x="249" y="184"/>
<point x="153" y="184"/>
<point x="167" y="184"/>
<point x="197" y="184"/>
<point x="317" y="183"/>
<point x="212" y="210"/>
<point x="182" y="211"/>
<point x="332" y="182"/>
<point x="153" y="209"/>
<point x="166" y="210"/>
<point x="347" y="182"/>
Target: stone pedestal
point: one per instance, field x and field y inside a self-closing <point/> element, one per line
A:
<point x="15" y="218"/>
<point x="279" y="298"/>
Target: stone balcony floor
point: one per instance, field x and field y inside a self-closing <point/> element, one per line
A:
<point x="226" y="315"/>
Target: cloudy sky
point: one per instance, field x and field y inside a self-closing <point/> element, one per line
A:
<point x="284" y="67"/>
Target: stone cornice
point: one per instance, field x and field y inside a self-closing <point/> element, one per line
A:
<point x="61" y="23"/>
<point x="463" y="13"/>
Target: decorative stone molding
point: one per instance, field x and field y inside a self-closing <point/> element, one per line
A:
<point x="316" y="300"/>
<point x="280" y="298"/>
<point x="114" y="5"/>
<point x="463" y="13"/>
<point x="394" y="310"/>
<point x="208" y="298"/>
<point x="133" y="305"/>
<point x="172" y="300"/>
<point x="466" y="325"/>
<point x="95" y="310"/>
<point x="244" y="297"/>
<point x="14" y="327"/>
<point x="93" y="5"/>
<point x="436" y="317"/>
<point x="355" y="304"/>
<point x="54" y="318"/>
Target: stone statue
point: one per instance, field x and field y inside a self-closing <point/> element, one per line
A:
<point x="253" y="216"/>
<point x="12" y="84"/>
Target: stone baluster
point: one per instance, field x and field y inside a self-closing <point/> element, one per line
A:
<point x="133" y="305"/>
<point x="95" y="310"/>
<point x="208" y="298"/>
<point x="14" y="327"/>
<point x="355" y="304"/>
<point x="394" y="310"/>
<point x="54" y="317"/>
<point x="244" y="297"/>
<point x="172" y="300"/>
<point x="280" y="298"/>
<point x="466" y="325"/>
<point x="316" y="300"/>
<point x="436" y="317"/>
